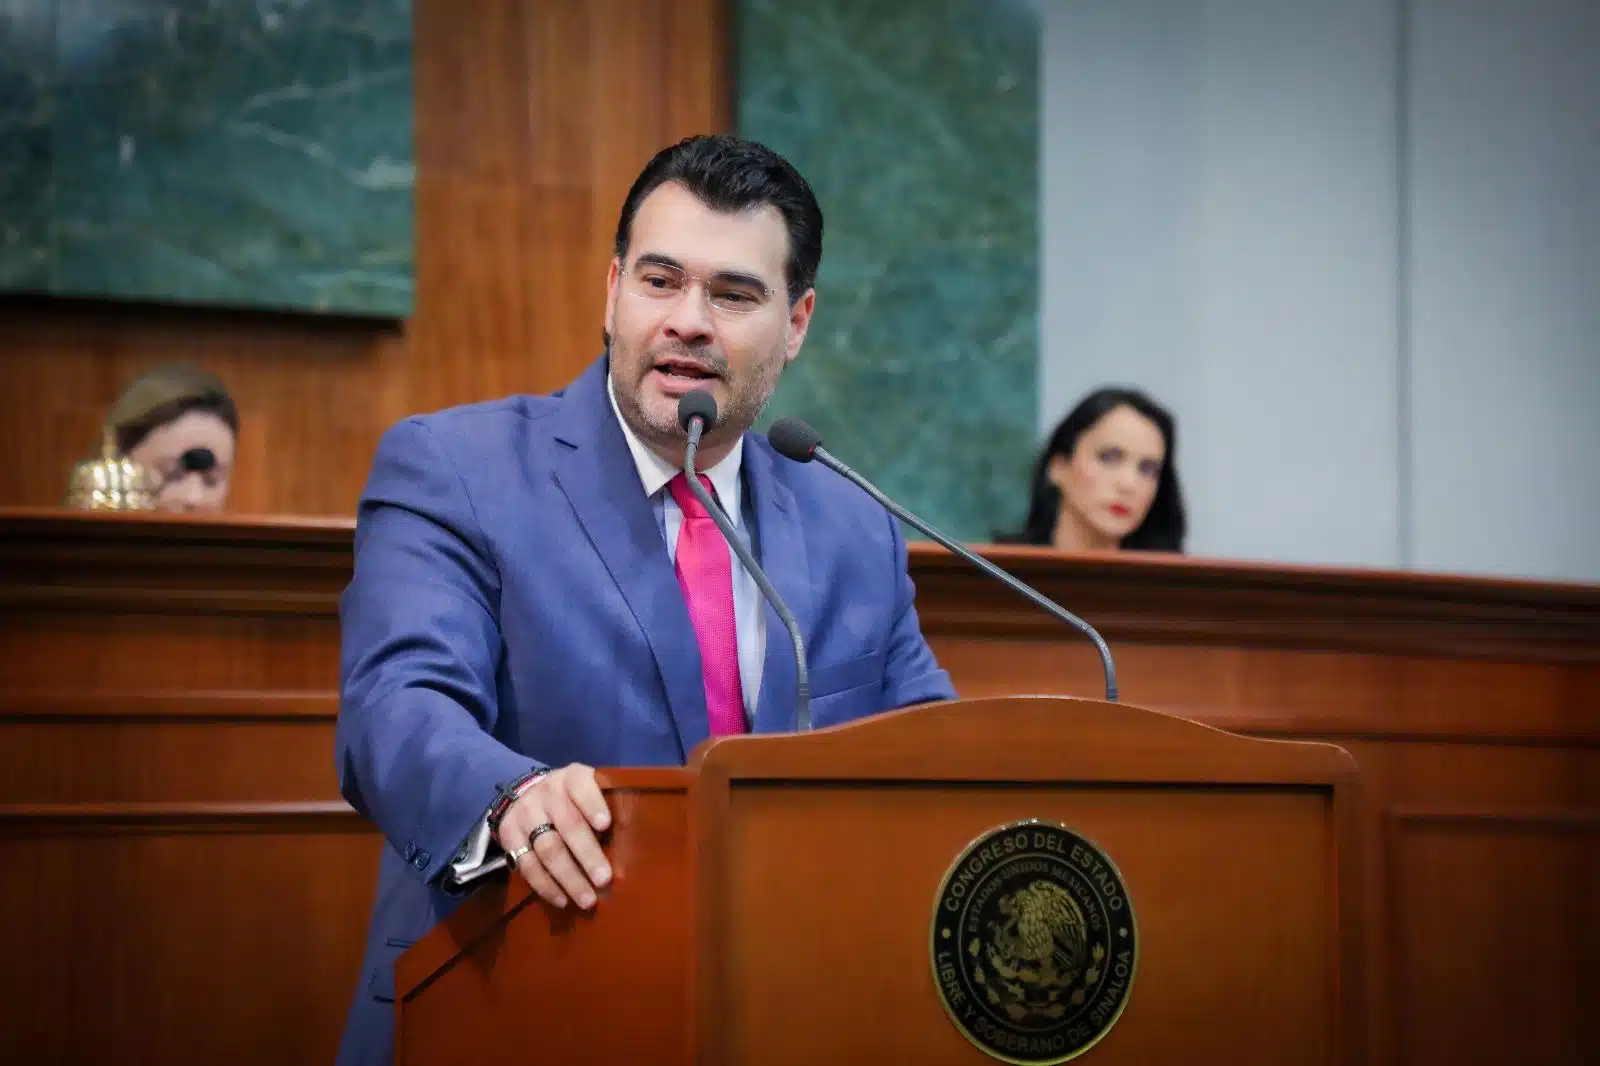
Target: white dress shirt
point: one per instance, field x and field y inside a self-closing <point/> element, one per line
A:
<point x="749" y="619"/>
<point x="750" y="623"/>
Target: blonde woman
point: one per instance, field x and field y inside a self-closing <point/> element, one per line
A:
<point x="181" y="425"/>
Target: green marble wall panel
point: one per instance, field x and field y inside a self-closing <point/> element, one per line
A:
<point x="916" y="121"/>
<point x="209" y="151"/>
<point x="27" y="72"/>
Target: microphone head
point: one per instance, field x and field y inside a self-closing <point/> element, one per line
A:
<point x="697" y="404"/>
<point x="793" y="439"/>
<point x="198" y="459"/>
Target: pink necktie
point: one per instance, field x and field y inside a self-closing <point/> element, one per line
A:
<point x="705" y="572"/>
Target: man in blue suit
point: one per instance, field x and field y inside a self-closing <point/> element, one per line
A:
<point x="536" y="593"/>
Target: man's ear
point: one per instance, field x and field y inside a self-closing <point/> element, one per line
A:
<point x="613" y="276"/>
<point x="799" y="323"/>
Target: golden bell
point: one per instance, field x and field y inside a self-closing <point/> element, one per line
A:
<point x="111" y="482"/>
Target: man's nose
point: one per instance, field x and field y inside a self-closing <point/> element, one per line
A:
<point x="689" y="321"/>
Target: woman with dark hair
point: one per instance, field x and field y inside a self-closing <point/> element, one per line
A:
<point x="1108" y="479"/>
<point x="181" y="425"/>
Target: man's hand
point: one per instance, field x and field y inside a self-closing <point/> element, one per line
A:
<point x="565" y="861"/>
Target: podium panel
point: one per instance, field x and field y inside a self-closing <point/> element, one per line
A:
<point x="609" y="986"/>
<point x="1025" y="880"/>
<point x="1230" y="910"/>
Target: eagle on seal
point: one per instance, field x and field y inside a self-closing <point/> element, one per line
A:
<point x="1044" y="927"/>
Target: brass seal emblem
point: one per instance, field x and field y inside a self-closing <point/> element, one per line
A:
<point x="1034" y="943"/>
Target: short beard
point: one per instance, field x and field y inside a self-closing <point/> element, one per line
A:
<point x="746" y="401"/>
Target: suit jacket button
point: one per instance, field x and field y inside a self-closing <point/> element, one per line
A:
<point x="421" y="861"/>
<point x="410" y="852"/>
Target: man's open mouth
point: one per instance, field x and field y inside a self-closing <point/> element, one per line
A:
<point x="685" y="369"/>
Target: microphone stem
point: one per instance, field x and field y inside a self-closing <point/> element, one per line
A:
<point x="1047" y="605"/>
<point x="802" y="681"/>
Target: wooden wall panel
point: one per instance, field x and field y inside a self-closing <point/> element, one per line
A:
<point x="167" y="703"/>
<point x="185" y="883"/>
<point x="531" y="121"/>
<point x="182" y="759"/>
<point x="1356" y="694"/>
<point x="1518" y="887"/>
<point x="182" y="934"/>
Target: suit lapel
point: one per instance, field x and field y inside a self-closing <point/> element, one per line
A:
<point x="597" y="473"/>
<point x="783" y="557"/>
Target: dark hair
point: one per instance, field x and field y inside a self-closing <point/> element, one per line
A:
<point x="1163" y="528"/>
<point x="730" y="174"/>
<point x="164" y="395"/>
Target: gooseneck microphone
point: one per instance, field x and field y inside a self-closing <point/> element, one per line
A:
<point x="794" y="439"/>
<point x="697" y="412"/>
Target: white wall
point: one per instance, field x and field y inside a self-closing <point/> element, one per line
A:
<point x="1237" y="216"/>
<point x="1505" y="294"/>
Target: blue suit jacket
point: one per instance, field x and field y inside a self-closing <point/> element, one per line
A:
<point x="513" y="603"/>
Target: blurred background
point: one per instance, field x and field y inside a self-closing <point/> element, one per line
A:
<point x="1354" y="248"/>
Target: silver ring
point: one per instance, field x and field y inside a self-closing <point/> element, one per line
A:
<point x="517" y="853"/>
<point x="538" y="831"/>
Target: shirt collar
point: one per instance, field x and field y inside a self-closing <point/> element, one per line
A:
<point x="655" y="472"/>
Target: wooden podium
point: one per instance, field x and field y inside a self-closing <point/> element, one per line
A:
<point x="783" y="899"/>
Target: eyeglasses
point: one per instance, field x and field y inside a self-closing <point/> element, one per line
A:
<point x="663" y="283"/>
